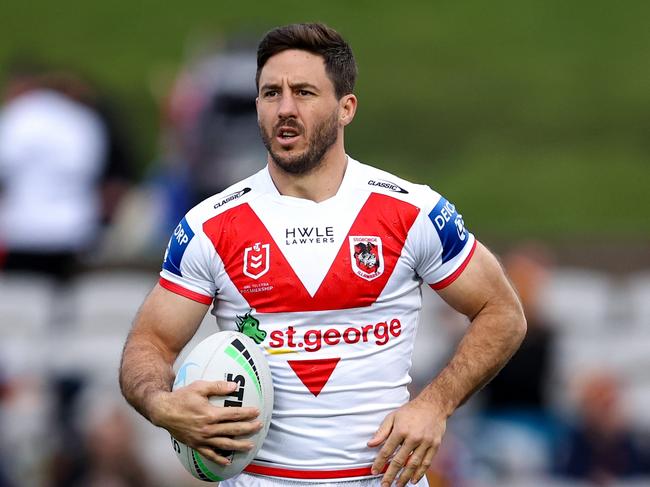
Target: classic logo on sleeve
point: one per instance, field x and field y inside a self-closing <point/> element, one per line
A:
<point x="382" y="183"/>
<point x="178" y="243"/>
<point x="367" y="258"/>
<point x="231" y="197"/>
<point x="450" y="227"/>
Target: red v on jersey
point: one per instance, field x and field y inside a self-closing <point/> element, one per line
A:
<point x="381" y="216"/>
<point x="314" y="373"/>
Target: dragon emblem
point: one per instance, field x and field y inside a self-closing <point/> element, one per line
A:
<point x="250" y="326"/>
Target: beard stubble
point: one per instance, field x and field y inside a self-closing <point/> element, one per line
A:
<point x="324" y="136"/>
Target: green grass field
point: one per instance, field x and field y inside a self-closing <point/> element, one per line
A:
<point x="533" y="117"/>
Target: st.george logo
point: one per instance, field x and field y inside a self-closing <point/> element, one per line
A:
<point x="256" y="260"/>
<point x="366" y="257"/>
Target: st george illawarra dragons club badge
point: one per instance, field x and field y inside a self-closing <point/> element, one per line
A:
<point x="366" y="257"/>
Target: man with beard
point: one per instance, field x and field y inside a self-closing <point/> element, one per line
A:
<point x="282" y="247"/>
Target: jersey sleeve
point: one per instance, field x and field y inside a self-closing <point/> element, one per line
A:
<point x="442" y="245"/>
<point x="188" y="265"/>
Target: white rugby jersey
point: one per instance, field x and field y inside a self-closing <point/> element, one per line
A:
<point x="331" y="292"/>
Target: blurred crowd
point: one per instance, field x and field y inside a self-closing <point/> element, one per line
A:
<point x="64" y="168"/>
<point x="571" y="408"/>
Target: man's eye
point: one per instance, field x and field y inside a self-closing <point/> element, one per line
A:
<point x="270" y="93"/>
<point x="304" y="92"/>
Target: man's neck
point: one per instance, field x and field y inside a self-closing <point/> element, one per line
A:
<point x="317" y="185"/>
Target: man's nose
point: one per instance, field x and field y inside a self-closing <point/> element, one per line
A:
<point x="287" y="107"/>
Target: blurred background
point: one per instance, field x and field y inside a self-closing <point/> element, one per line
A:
<point x="532" y="117"/>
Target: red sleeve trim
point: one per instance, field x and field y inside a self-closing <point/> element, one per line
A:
<point x="452" y="277"/>
<point x="175" y="288"/>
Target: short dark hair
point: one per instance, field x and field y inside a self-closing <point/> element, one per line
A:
<point x="318" y="39"/>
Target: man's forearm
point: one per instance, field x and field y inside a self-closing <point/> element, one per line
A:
<point x="145" y="370"/>
<point x="492" y="338"/>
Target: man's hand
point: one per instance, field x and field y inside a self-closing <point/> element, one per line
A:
<point x="190" y="418"/>
<point x="165" y="323"/>
<point x="415" y="431"/>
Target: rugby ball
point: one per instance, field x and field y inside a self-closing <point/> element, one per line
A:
<point x="233" y="357"/>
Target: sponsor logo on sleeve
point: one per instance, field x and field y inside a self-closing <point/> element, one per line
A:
<point x="176" y="247"/>
<point x="232" y="197"/>
<point x="390" y="186"/>
<point x="450" y="227"/>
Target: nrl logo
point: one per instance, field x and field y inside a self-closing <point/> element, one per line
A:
<point x="366" y="257"/>
<point x="256" y="260"/>
<point x="250" y="326"/>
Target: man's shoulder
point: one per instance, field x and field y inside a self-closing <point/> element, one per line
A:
<point x="376" y="180"/>
<point x="233" y="196"/>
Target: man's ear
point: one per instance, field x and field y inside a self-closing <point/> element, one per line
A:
<point x="347" y="109"/>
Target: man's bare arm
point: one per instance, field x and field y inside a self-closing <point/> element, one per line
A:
<point x="483" y="293"/>
<point x="497" y="328"/>
<point x="164" y="324"/>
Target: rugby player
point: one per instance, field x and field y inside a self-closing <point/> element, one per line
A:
<point x="323" y="256"/>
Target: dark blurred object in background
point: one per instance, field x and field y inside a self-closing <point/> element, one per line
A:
<point x="68" y="458"/>
<point x="601" y="445"/>
<point x="63" y="170"/>
<point x="112" y="456"/>
<point x="211" y="134"/>
<point x="521" y="385"/>
<point x="103" y="455"/>
<point x="4" y="393"/>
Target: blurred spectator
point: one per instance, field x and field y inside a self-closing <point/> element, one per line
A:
<point x="24" y="439"/>
<point x="212" y="136"/>
<point x="69" y="460"/>
<point x="105" y="455"/>
<point x="451" y="464"/>
<point x="112" y="457"/>
<point x="62" y="171"/>
<point x="601" y="445"/>
<point x="4" y="481"/>
<point x="517" y="424"/>
<point x="521" y="386"/>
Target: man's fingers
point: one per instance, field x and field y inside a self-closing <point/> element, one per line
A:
<point x="220" y="415"/>
<point x="210" y="454"/>
<point x="424" y="466"/>
<point x="383" y="432"/>
<point x="227" y="444"/>
<point x="213" y="387"/>
<point x="413" y="463"/>
<point x="239" y="428"/>
<point x="392" y="443"/>
<point x="398" y="462"/>
<point x="226" y="437"/>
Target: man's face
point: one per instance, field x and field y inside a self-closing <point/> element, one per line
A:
<point x="297" y="110"/>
